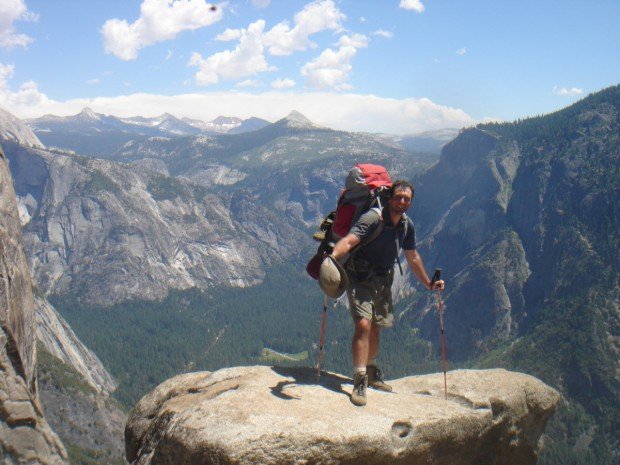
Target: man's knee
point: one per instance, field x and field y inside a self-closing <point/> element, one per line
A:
<point x="362" y="327"/>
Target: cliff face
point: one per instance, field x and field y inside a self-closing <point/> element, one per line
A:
<point x="522" y="215"/>
<point x="462" y="214"/>
<point x="109" y="232"/>
<point x="60" y="341"/>
<point x="17" y="304"/>
<point x="25" y="436"/>
<point x="75" y="388"/>
<point x="249" y="415"/>
<point x="524" y="219"/>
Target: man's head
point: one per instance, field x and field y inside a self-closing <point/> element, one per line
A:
<point x="401" y="195"/>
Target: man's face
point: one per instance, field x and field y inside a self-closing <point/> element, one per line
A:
<point x="401" y="200"/>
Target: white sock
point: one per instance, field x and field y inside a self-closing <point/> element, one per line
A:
<point x="360" y="371"/>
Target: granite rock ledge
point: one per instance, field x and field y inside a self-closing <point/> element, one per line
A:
<point x="272" y="415"/>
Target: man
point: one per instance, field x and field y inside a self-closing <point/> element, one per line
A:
<point x="371" y="271"/>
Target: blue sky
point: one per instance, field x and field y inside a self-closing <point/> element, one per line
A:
<point x="399" y="66"/>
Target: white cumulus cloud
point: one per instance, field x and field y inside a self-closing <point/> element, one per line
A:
<point x="383" y="33"/>
<point x="26" y="98"/>
<point x="567" y="92"/>
<point x="229" y="34"/>
<point x="283" y="84"/>
<point x="10" y="12"/>
<point x="331" y="68"/>
<point x="159" y="20"/>
<point x="461" y="51"/>
<point x="317" y="16"/>
<point x="246" y="60"/>
<point x="353" y="40"/>
<point x="415" y="5"/>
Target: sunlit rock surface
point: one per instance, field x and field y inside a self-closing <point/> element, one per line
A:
<point x="251" y="415"/>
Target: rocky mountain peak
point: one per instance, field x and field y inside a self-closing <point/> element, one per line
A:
<point x="223" y="124"/>
<point x="279" y="415"/>
<point x="295" y="117"/>
<point x="167" y="117"/>
<point x="226" y="120"/>
<point x="296" y="120"/>
<point x="88" y="113"/>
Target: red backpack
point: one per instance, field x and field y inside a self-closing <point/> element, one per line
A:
<point x="365" y="189"/>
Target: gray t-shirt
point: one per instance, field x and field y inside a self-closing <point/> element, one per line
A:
<point x="381" y="253"/>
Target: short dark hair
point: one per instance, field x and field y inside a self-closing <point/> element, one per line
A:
<point x="401" y="184"/>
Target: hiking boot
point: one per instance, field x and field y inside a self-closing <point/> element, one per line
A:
<point x="358" y="396"/>
<point x="375" y="380"/>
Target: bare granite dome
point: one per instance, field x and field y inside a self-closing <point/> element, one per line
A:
<point x="265" y="415"/>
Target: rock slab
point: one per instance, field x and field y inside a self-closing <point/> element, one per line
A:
<point x="25" y="436"/>
<point x="271" y="415"/>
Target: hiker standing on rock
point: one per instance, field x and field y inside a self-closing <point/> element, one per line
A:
<point x="370" y="273"/>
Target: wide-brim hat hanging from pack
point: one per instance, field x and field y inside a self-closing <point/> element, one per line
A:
<point x="333" y="278"/>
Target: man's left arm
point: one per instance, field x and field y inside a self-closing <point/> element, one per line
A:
<point x="417" y="266"/>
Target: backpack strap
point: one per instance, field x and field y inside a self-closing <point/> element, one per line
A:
<point x="376" y="233"/>
<point x="405" y="229"/>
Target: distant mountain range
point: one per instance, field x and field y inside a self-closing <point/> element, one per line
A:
<point x="92" y="133"/>
<point x="95" y="134"/>
<point x="164" y="125"/>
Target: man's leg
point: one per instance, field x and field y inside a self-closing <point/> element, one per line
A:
<point x="360" y="305"/>
<point x="359" y="347"/>
<point x="373" y="341"/>
<point x="361" y="343"/>
<point x="382" y="318"/>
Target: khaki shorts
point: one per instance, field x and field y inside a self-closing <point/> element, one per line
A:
<point x="371" y="299"/>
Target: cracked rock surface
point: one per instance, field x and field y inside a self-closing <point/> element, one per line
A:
<point x="25" y="436"/>
<point x="271" y="415"/>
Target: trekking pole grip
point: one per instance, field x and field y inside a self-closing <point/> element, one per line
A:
<point x="436" y="277"/>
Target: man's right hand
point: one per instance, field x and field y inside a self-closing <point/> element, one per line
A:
<point x="438" y="285"/>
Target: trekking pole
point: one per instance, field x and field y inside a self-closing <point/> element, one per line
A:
<point x="321" y="340"/>
<point x="441" y="308"/>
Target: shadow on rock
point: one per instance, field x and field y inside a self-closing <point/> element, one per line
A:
<point x="307" y="376"/>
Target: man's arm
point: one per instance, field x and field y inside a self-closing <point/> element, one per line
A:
<point x="344" y="245"/>
<point x="415" y="263"/>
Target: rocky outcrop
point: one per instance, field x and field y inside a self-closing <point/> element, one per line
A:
<point x="12" y="129"/>
<point x="16" y="300"/>
<point x="25" y="436"/>
<point x="263" y="415"/>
